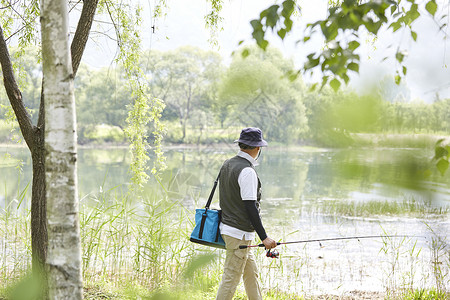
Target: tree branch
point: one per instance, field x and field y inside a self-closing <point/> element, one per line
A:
<point x="14" y="94"/>
<point x="82" y="33"/>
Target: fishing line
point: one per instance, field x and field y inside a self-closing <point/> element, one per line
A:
<point x="335" y="239"/>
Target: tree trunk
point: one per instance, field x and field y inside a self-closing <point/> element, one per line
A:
<point x="64" y="243"/>
<point x="38" y="208"/>
<point x="34" y="135"/>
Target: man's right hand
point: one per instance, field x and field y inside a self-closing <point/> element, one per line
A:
<point x="269" y="243"/>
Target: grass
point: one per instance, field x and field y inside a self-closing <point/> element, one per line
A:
<point x="372" y="208"/>
<point x="139" y="248"/>
<point x="396" y="140"/>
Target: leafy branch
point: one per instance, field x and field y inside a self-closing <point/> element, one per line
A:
<point x="143" y="109"/>
<point x="442" y="156"/>
<point x="341" y="30"/>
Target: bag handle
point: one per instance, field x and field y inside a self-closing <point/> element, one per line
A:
<point x="211" y="195"/>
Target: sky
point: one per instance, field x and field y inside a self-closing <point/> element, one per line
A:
<point x="184" y="24"/>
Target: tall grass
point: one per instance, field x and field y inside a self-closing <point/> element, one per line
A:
<point x="15" y="237"/>
<point x="405" y="207"/>
<point x="142" y="243"/>
<point x="139" y="247"/>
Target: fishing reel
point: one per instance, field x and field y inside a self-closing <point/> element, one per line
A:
<point x="272" y="253"/>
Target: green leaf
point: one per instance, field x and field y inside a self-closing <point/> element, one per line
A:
<point x="396" y="26"/>
<point x="440" y="152"/>
<point x="353" y="66"/>
<point x="353" y="45"/>
<point x="258" y="35"/>
<point x="293" y="76"/>
<point x="414" y="35"/>
<point x="324" y="81"/>
<point x="398" y="79"/>
<point x="282" y="33"/>
<point x="263" y="44"/>
<point x="399" y="56"/>
<point x="404" y="70"/>
<point x="311" y="63"/>
<point x="288" y="24"/>
<point x="393" y="9"/>
<point x="313" y="87"/>
<point x="245" y="53"/>
<point x="256" y="24"/>
<point x="335" y="84"/>
<point x="272" y="16"/>
<point x="345" y="77"/>
<point x="442" y="166"/>
<point x="439" y="141"/>
<point x="288" y="7"/>
<point x="197" y="262"/>
<point x="431" y="7"/>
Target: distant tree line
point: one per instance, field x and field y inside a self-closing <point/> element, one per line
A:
<point x="204" y="98"/>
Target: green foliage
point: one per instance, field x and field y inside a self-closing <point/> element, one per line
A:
<point x="143" y="109"/>
<point x="431" y="7"/>
<point x="197" y="263"/>
<point x="423" y="294"/>
<point x="277" y="18"/>
<point x="341" y="32"/>
<point x="442" y="156"/>
<point x="102" y="133"/>
<point x="7" y="130"/>
<point x="101" y="97"/>
<point x="256" y="92"/>
<point x="373" y="208"/>
<point x="333" y="116"/>
<point x="213" y="20"/>
<point x="186" y="79"/>
<point x="27" y="288"/>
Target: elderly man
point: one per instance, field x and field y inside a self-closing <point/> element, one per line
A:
<point x="240" y="194"/>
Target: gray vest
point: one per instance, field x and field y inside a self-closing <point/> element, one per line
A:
<point x="234" y="213"/>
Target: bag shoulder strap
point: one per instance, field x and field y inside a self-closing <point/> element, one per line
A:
<point x="211" y="195"/>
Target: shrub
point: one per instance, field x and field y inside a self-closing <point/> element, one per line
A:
<point x="101" y="133"/>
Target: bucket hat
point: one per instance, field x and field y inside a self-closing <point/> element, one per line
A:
<point x="251" y="136"/>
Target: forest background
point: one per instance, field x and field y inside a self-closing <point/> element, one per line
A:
<point x="204" y="98"/>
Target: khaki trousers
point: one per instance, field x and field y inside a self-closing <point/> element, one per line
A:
<point x="238" y="263"/>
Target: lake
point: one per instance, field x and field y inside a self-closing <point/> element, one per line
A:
<point x="290" y="177"/>
<point x="308" y="193"/>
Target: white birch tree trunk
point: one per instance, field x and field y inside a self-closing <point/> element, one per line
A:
<point x="64" y="246"/>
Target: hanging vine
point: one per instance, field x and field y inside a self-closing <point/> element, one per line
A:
<point x="143" y="109"/>
<point x="213" y="21"/>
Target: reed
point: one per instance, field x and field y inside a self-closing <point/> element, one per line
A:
<point x="138" y="247"/>
<point x="405" y="207"/>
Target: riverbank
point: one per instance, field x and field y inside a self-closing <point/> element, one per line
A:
<point x="389" y="140"/>
<point x="94" y="293"/>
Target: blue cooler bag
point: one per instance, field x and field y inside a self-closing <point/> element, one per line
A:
<point x="206" y="230"/>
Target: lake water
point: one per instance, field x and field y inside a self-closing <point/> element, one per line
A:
<point x="290" y="177"/>
<point x="308" y="193"/>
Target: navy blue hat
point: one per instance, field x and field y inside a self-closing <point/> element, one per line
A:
<point x="252" y="136"/>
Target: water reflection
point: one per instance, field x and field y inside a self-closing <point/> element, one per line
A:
<point x="291" y="177"/>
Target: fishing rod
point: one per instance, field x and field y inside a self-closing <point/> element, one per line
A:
<point x="332" y="239"/>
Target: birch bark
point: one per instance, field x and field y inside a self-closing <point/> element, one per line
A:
<point x="64" y="247"/>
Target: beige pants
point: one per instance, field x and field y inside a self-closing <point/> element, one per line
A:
<point x="238" y="263"/>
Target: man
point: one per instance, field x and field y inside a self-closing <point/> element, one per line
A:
<point x="240" y="194"/>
